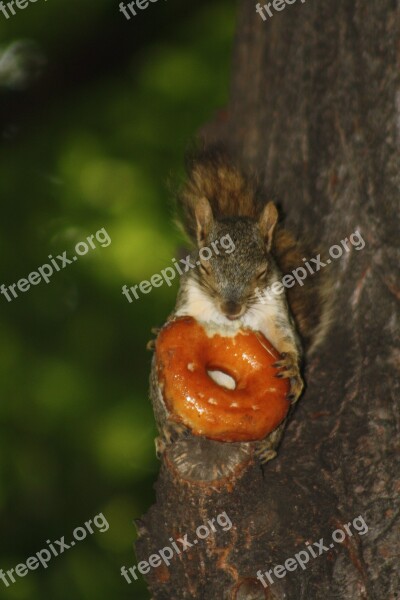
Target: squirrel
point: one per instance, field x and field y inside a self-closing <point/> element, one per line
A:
<point x="220" y="199"/>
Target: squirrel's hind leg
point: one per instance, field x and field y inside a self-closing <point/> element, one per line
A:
<point x="171" y="432"/>
<point x="266" y="449"/>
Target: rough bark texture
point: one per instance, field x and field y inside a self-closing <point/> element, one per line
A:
<point x="315" y="105"/>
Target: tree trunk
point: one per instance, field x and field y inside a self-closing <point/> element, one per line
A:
<point x="315" y="105"/>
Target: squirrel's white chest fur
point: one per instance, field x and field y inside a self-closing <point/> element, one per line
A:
<point x="259" y="317"/>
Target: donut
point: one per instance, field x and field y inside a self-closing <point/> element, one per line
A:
<point x="187" y="356"/>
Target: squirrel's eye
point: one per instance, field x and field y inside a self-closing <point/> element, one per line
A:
<point x="262" y="273"/>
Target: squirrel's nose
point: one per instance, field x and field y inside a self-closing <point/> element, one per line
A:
<point x="232" y="310"/>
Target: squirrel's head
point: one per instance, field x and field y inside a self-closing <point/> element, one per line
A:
<point x="234" y="257"/>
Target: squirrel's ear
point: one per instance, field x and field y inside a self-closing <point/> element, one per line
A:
<point x="267" y="222"/>
<point x="204" y="219"/>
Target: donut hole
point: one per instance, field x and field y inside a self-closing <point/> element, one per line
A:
<point x="222" y="379"/>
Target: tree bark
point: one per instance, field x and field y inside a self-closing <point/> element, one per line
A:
<point x="315" y="107"/>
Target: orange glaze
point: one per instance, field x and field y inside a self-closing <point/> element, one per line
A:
<point x="258" y="404"/>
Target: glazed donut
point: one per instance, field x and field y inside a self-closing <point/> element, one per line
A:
<point x="186" y="356"/>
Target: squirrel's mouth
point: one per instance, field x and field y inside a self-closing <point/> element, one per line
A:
<point x="233" y="317"/>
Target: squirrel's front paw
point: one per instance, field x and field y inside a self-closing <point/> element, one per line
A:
<point x="289" y="368"/>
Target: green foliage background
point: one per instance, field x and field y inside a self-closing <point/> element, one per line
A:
<point x="77" y="428"/>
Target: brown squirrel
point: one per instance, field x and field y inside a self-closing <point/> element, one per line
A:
<point x="219" y="199"/>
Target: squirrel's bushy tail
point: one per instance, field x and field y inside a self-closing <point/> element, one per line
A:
<point x="212" y="174"/>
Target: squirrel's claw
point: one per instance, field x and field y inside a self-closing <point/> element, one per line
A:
<point x="266" y="449"/>
<point x="151" y="344"/>
<point x="296" y="388"/>
<point x="171" y="433"/>
<point x="264" y="454"/>
<point x="160" y="446"/>
<point x="290" y="369"/>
